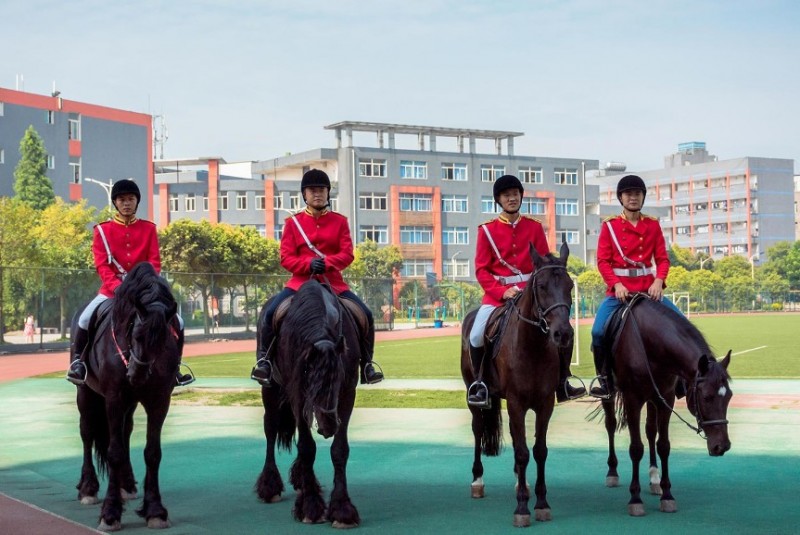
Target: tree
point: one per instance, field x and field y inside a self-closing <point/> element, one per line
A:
<point x="576" y="266"/>
<point x="731" y="266"/>
<point x="703" y="284"/>
<point x="31" y="183"/>
<point x="680" y="256"/>
<point x="677" y="280"/>
<point x="373" y="262"/>
<point x="65" y="239"/>
<point x="17" y="249"/>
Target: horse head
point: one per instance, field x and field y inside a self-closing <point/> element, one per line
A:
<point x="549" y="295"/>
<point x="708" y="398"/>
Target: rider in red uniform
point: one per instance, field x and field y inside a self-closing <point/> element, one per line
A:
<point x="128" y="241"/>
<point x="503" y="274"/>
<point x="324" y="247"/>
<point x="631" y="257"/>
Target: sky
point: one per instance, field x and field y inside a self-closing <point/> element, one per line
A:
<point x="623" y="81"/>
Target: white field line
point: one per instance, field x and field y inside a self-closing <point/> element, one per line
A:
<point x="748" y="350"/>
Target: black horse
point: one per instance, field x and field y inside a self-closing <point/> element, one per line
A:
<point x="525" y="373"/>
<point x="655" y="350"/>
<point x="316" y="370"/>
<point x="133" y="357"/>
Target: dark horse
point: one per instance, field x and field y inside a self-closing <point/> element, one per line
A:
<point x="654" y="349"/>
<point x="133" y="359"/>
<point x="316" y="366"/>
<point x="525" y="373"/>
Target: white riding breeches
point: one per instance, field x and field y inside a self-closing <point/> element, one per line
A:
<point x="479" y="327"/>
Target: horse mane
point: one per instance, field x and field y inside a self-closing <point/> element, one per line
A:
<point x="141" y="288"/>
<point x="685" y="329"/>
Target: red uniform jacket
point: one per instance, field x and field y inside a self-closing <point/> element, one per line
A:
<point x="641" y="243"/>
<point x="512" y="242"/>
<point x="130" y="244"/>
<point x="329" y="233"/>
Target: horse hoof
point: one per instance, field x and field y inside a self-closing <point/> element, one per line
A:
<point x="89" y="500"/>
<point x="636" y="509"/>
<point x="655" y="488"/>
<point x="477" y="490"/>
<point x="341" y="525"/>
<point x="116" y="526"/>
<point x="157" y="523"/>
<point x="522" y="521"/>
<point x="307" y="520"/>
<point x="669" y="506"/>
<point x="542" y="515"/>
<point x="612" y="481"/>
<point x="275" y="499"/>
<point x="128" y="496"/>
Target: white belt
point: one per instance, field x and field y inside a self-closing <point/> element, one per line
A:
<point x="513" y="279"/>
<point x="638" y="272"/>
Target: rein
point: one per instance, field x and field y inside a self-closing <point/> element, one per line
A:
<point x="541" y="321"/>
<point x="693" y="390"/>
<point x="123" y="354"/>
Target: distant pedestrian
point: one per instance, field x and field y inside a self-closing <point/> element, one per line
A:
<point x="30" y="328"/>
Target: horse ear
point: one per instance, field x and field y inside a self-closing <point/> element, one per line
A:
<point x="563" y="253"/>
<point x="702" y="365"/>
<point x="726" y="360"/>
<point x="537" y="259"/>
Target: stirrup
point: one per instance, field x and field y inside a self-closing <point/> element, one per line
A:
<point x="376" y="374"/>
<point x="563" y="395"/>
<point x="76" y="380"/>
<point x="601" y="382"/>
<point x="264" y="366"/>
<point x="473" y="390"/>
<point x="183" y="379"/>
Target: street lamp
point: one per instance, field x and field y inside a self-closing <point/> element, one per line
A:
<point x="453" y="266"/>
<point x="753" y="266"/>
<point x="703" y="261"/>
<point x="106" y="187"/>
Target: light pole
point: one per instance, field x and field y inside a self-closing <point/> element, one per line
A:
<point x="703" y="261"/>
<point x="106" y="187"/>
<point x="753" y="266"/>
<point x="453" y="266"/>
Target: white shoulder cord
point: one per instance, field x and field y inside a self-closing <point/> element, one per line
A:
<point x="308" y="242"/>
<point x="625" y="258"/>
<point x="111" y="259"/>
<point x="513" y="269"/>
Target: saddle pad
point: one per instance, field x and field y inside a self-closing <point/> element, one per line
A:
<point x="358" y="315"/>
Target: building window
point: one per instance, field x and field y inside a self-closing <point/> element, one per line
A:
<point x="75" y="172"/>
<point x="372" y="168"/>
<point x="490" y="173"/>
<point x="572" y="237"/>
<point x="278" y="233"/>
<point x="51" y="117"/>
<point x="488" y="206"/>
<point x="533" y="206"/>
<point x="531" y="175"/>
<point x="173" y="202"/>
<point x="294" y="202"/>
<point x="205" y="203"/>
<point x="277" y="202"/>
<point x="241" y="200"/>
<point x="51" y="161"/>
<point x="456" y="268"/>
<point x="416" y="234"/>
<point x="262" y="230"/>
<point x="372" y="201"/>
<point x="416" y="268"/>
<point x="455" y="236"/>
<point x="566" y="206"/>
<point x="455" y="204"/>
<point x="261" y="202"/>
<point x="2" y="156"/>
<point x="189" y="203"/>
<point x="454" y="171"/>
<point x="413" y="170"/>
<point x="2" y="109"/>
<point x="377" y="233"/>
<point x="75" y="129"/>
<point x="223" y="201"/>
<point x="565" y="177"/>
<point x="415" y="202"/>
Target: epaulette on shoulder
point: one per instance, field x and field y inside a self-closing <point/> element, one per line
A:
<point x="487" y="222"/>
<point x="532" y="218"/>
<point x="645" y="216"/>
<point x="609" y="218"/>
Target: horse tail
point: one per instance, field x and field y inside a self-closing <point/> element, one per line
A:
<point x="492" y="435"/>
<point x="95" y="422"/>
<point x="286" y="426"/>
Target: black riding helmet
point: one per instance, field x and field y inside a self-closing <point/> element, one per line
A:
<point x="122" y="187"/>
<point x="506" y="182"/>
<point x="629" y="182"/>
<point x="315" y="178"/>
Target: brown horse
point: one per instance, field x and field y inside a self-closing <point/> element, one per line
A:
<point x="525" y="374"/>
<point x="654" y="349"/>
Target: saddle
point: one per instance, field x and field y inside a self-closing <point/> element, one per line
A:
<point x="496" y="326"/>
<point x="351" y="306"/>
<point x="613" y="326"/>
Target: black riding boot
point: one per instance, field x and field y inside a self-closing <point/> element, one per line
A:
<point x="565" y="391"/>
<point x="369" y="375"/>
<point x="262" y="371"/>
<point x="77" y="369"/>
<point x="601" y="367"/>
<point x="478" y="392"/>
<point x="182" y="379"/>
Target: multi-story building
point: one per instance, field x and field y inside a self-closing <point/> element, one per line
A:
<point x="88" y="146"/>
<point x="741" y="206"/>
<point x="427" y="199"/>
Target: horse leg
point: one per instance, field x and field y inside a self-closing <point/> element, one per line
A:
<point x="127" y="479"/>
<point x="477" y="487"/>
<point x="650" y="431"/>
<point x="111" y="511"/>
<point x="341" y="510"/>
<point x="152" y="509"/>
<point x="542" y="509"/>
<point x="516" y="424"/>
<point x="612" y="476"/>
<point x="668" y="504"/>
<point x="309" y="507"/>
<point x="269" y="486"/>
<point x="633" y="412"/>
<point x="92" y="430"/>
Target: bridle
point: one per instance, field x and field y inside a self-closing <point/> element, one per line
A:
<point x="541" y="321"/>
